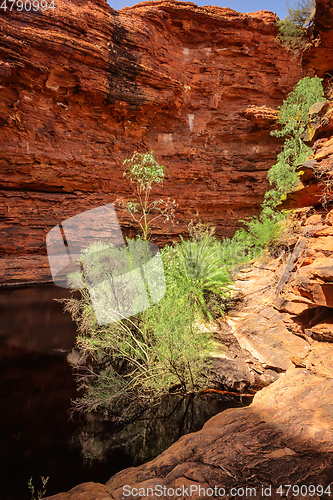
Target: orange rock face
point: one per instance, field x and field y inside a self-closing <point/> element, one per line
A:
<point x="84" y="87"/>
<point x="319" y="55"/>
<point x="308" y="292"/>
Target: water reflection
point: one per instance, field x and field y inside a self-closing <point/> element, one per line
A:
<point x="151" y="433"/>
<point x="36" y="435"/>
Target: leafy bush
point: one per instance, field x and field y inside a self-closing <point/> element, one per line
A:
<point x="135" y="361"/>
<point x="202" y="272"/>
<point x="291" y="35"/>
<point x="144" y="171"/>
<point x="292" y="29"/>
<point x="265" y="229"/>
<point x="248" y="243"/>
<point x="293" y="118"/>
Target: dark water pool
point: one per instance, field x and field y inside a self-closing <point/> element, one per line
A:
<point x="37" y="437"/>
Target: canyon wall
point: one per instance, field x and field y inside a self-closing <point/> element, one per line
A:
<point x="318" y="56"/>
<point x="83" y="87"/>
<point x="284" y="436"/>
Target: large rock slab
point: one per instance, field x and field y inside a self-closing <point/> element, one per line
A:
<point x="259" y="328"/>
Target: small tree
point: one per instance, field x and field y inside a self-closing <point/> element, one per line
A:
<point x="302" y="13"/>
<point x="293" y="118"/>
<point x="144" y="171"/>
<point x="292" y="29"/>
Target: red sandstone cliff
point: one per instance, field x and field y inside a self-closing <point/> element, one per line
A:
<point x="319" y="54"/>
<point x="285" y="436"/>
<point x="83" y="87"/>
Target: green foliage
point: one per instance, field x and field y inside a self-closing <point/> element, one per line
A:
<point x="144" y="171"/>
<point x="248" y="243"/>
<point x="293" y="118"/>
<point x="202" y="272"/>
<point x="137" y="360"/>
<point x="293" y="114"/>
<point x="39" y="494"/>
<point x="181" y="349"/>
<point x="292" y="29"/>
<point x="266" y="229"/>
<point x="261" y="231"/>
<point x="291" y="35"/>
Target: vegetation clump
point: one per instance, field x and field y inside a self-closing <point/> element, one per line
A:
<point x="144" y="171"/>
<point x="292" y="29"/>
<point x="137" y="360"/>
<point x="293" y="118"/>
<point x="267" y="229"/>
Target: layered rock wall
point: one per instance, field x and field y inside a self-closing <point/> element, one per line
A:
<point x="83" y="87"/>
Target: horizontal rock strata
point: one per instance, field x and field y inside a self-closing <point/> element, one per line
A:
<point x="83" y="87"/>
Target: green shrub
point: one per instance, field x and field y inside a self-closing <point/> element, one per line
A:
<point x="265" y="229"/>
<point x="144" y="171"/>
<point x="137" y="360"/>
<point x="293" y="118"/>
<point x="291" y="35"/>
<point x="202" y="271"/>
<point x="292" y="30"/>
<point x="248" y="243"/>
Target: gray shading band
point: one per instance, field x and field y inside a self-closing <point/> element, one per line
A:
<point x="88" y="250"/>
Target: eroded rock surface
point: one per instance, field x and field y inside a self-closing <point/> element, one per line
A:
<point x="83" y="87"/>
<point x="318" y="55"/>
<point x="308" y="293"/>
